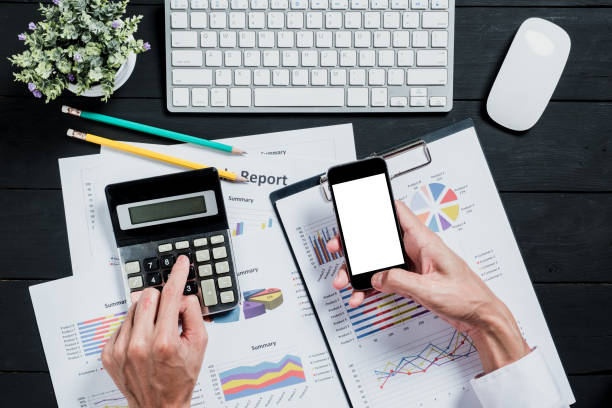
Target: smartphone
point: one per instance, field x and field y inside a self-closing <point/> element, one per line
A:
<point x="369" y="230"/>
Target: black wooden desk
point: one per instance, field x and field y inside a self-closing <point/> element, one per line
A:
<point x="555" y="180"/>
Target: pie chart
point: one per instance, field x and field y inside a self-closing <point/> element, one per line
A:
<point x="436" y="205"/>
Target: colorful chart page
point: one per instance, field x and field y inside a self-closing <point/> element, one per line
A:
<point x="392" y="352"/>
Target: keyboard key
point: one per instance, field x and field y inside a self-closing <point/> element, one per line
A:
<point x="185" y="58"/>
<point x="199" y="97"/>
<point x="376" y="77"/>
<point x="318" y="4"/>
<point x="132" y="267"/>
<point x="439" y="39"/>
<point x="135" y="282"/>
<point x="208" y="39"/>
<point x="399" y="4"/>
<point x="318" y="77"/>
<point x="259" y="4"/>
<point x="246" y="39"/>
<point x="279" y="4"/>
<point x="338" y="77"/>
<point x="202" y="255"/>
<point x="205" y="270"/>
<point x="191" y="76"/>
<point x="419" y="4"/>
<point x="437" y="101"/>
<point x="218" y="4"/>
<point x="252" y="58"/>
<point x="309" y="58"/>
<point x="418" y="101"/>
<point x="191" y="288"/>
<point x="420" y="39"/>
<point x="276" y="20"/>
<point x="180" y="97"/>
<point x="199" y="4"/>
<point x="299" y="77"/>
<point x="178" y="20"/>
<point x="242" y="77"/>
<point x="328" y="58"/>
<point x="257" y="20"/>
<point x="399" y="101"/>
<point x="227" y="39"/>
<point x="339" y="4"/>
<point x="357" y="77"/>
<point x="410" y="19"/>
<point x="198" y="242"/>
<point x="435" y="19"/>
<point x="223" y="77"/>
<point x="431" y="58"/>
<point x="379" y="4"/>
<point x="154" y="279"/>
<point x="150" y="264"/>
<point x="279" y="77"/>
<point x="240" y="97"/>
<point x="386" y="58"/>
<point x="198" y="19"/>
<point x="343" y="39"/>
<point x="439" y="4"/>
<point x="209" y="295"/>
<point x="405" y="58"/>
<point x="222" y="267"/>
<point x="167" y="261"/>
<point x="418" y="91"/>
<point x="218" y="97"/>
<point x="219" y="252"/>
<point x="379" y="96"/>
<point x="324" y="39"/>
<point x="352" y="19"/>
<point x="391" y="19"/>
<point x="239" y="4"/>
<point x="261" y="77"/>
<point x="218" y="20"/>
<point x="427" y="76"/>
<point x="299" y="4"/>
<point x="191" y="274"/>
<point x="401" y="39"/>
<point x="224" y="282"/>
<point x="395" y="77"/>
<point x="227" y="296"/>
<point x="184" y="39"/>
<point x="371" y="20"/>
<point x="357" y="97"/>
<point x="362" y="39"/>
<point x="281" y="97"/>
<point x="178" y="4"/>
<point x="333" y="19"/>
<point x="188" y="254"/>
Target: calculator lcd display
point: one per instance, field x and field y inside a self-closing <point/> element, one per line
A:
<point x="167" y="210"/>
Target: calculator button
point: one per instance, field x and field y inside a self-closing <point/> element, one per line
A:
<point x="222" y="267"/>
<point x="217" y="239"/>
<point x="164" y="247"/>
<point x="224" y="282"/>
<point x="166" y="275"/>
<point x="154" y="279"/>
<point x="167" y="261"/>
<point x="191" y="288"/>
<point x="132" y="267"/>
<point x="208" y="292"/>
<point x="203" y="255"/>
<point x="198" y="242"/>
<point x="227" y="296"/>
<point x="219" y="252"/>
<point x="181" y="244"/>
<point x="191" y="272"/>
<point x="135" y="282"/>
<point x="187" y="254"/>
<point x="205" y="270"/>
<point x="151" y="264"/>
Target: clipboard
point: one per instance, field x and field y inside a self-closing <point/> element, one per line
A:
<point x="415" y="147"/>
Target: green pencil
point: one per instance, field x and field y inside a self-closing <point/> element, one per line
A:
<point x="181" y="137"/>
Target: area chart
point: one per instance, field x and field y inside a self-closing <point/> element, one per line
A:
<point x="243" y="381"/>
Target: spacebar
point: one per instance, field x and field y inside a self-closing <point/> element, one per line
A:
<point x="299" y="97"/>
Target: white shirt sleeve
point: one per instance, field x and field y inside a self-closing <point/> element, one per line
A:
<point x="526" y="383"/>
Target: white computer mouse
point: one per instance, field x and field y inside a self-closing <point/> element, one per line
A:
<point x="529" y="74"/>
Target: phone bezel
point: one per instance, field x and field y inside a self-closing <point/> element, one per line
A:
<point x="354" y="171"/>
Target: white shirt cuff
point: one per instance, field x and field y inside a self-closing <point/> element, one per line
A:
<point x="525" y="383"/>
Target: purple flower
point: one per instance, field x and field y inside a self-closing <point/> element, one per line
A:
<point x="77" y="57"/>
<point x="116" y="24"/>
<point x="56" y="2"/>
<point x="31" y="87"/>
<point x="21" y="37"/>
<point x="37" y="93"/>
<point x="146" y="46"/>
<point x="32" y="26"/>
<point x="70" y="78"/>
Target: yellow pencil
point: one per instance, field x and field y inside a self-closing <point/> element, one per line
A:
<point x="228" y="175"/>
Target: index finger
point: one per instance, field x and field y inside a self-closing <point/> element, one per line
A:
<point x="172" y="294"/>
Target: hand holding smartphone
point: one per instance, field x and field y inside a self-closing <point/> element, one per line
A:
<point x="369" y="230"/>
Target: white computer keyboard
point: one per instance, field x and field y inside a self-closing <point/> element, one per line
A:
<point x="309" y="55"/>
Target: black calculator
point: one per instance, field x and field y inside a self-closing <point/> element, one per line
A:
<point x="157" y="219"/>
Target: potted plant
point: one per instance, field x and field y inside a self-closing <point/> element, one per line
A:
<point x="87" y="46"/>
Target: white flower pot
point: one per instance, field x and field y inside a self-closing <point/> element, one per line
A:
<point x="125" y="71"/>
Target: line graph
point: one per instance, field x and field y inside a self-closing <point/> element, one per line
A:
<point x="459" y="346"/>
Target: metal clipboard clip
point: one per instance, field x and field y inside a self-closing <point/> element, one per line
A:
<point x="415" y="153"/>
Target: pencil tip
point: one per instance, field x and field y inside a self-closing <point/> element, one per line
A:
<point x="241" y="179"/>
<point x="238" y="151"/>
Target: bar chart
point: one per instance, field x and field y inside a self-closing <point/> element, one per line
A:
<point x="94" y="333"/>
<point x="379" y="312"/>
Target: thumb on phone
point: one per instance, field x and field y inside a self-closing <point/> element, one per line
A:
<point x="398" y="281"/>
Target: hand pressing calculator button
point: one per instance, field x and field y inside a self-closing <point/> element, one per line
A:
<point x="156" y="220"/>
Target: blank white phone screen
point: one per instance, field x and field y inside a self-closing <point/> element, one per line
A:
<point x="364" y="207"/>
